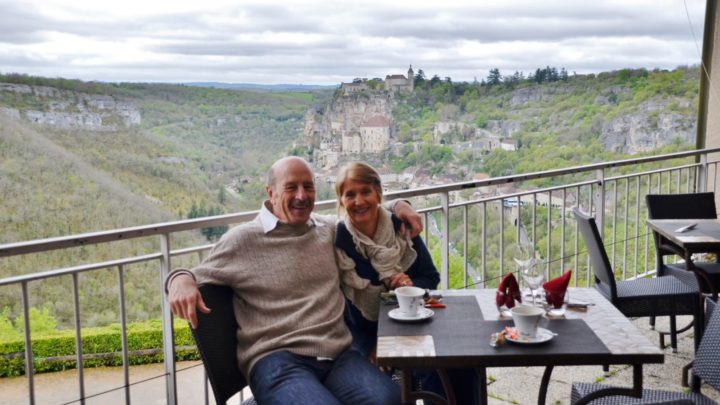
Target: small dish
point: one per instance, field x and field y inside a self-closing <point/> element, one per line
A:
<point x="543" y="335"/>
<point x="423" y="314"/>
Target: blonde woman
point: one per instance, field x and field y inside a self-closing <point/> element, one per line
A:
<point x="374" y="256"/>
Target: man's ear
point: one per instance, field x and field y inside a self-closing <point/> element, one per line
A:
<point x="269" y="191"/>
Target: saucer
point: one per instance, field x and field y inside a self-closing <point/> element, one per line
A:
<point x="423" y="313"/>
<point x="543" y="335"/>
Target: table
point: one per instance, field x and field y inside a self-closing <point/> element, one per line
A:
<point x="705" y="237"/>
<point x="458" y="336"/>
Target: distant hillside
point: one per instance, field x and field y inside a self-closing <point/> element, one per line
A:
<point x="83" y="156"/>
<point x="79" y="157"/>
<point x="449" y="131"/>
<point x="262" y="87"/>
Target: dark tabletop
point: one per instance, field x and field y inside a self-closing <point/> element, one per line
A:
<point x="461" y="339"/>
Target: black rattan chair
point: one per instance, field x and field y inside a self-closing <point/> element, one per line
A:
<point x="684" y="206"/>
<point x="643" y="297"/>
<point x="706" y="366"/>
<point x="216" y="339"/>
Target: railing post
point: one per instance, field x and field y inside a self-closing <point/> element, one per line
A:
<point x="78" y="339"/>
<point x="29" y="368"/>
<point x="445" y="240"/>
<point x="600" y="201"/>
<point x="702" y="176"/>
<point x="123" y="333"/>
<point x="168" y="333"/>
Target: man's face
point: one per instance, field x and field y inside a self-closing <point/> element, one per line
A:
<point x="293" y="195"/>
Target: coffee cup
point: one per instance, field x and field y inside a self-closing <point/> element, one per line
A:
<point x="527" y="319"/>
<point x="410" y="299"/>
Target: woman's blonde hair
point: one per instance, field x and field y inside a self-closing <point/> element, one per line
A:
<point x="361" y="173"/>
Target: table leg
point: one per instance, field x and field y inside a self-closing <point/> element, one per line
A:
<point x="542" y="395"/>
<point x="698" y="330"/>
<point x="408" y="396"/>
<point x="406" y="385"/>
<point x="482" y="383"/>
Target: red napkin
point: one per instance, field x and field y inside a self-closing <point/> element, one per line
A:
<point x="508" y="292"/>
<point x="555" y="289"/>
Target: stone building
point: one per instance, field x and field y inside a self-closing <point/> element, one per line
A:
<point x="395" y="83"/>
<point x="354" y="87"/>
<point x="375" y="134"/>
<point x="351" y="143"/>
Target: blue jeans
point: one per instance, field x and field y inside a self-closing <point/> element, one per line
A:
<point x="287" y="378"/>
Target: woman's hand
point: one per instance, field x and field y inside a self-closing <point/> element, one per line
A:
<point x="400" y="280"/>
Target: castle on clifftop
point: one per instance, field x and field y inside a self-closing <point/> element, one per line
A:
<point x="393" y="83"/>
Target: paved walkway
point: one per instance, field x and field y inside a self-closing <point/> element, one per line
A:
<point x="505" y="385"/>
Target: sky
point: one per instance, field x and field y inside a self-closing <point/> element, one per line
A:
<point x="333" y="41"/>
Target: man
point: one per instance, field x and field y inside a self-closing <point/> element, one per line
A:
<point x="293" y="344"/>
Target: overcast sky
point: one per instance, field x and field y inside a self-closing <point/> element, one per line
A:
<point x="328" y="42"/>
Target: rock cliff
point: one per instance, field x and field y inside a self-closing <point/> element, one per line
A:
<point x="65" y="109"/>
<point x="650" y="127"/>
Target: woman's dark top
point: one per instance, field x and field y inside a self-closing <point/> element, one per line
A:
<point x="422" y="273"/>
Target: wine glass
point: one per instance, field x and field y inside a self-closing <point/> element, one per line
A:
<point x="524" y="256"/>
<point x="525" y="262"/>
<point x="557" y="302"/>
<point x="533" y="276"/>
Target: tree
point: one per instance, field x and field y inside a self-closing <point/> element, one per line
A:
<point x="563" y="75"/>
<point x="494" y="77"/>
<point x="419" y="77"/>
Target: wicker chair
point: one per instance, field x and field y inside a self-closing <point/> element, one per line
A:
<point x="706" y="366"/>
<point x="217" y="343"/>
<point x="660" y="296"/>
<point x="684" y="206"/>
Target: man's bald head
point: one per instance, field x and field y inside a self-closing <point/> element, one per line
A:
<point x="291" y="189"/>
<point x="280" y="164"/>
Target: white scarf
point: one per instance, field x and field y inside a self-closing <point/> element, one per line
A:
<point x="389" y="253"/>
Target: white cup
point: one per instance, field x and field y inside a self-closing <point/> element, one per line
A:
<point x="527" y="319"/>
<point x="410" y="299"/>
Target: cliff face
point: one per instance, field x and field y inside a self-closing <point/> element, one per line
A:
<point x="64" y="109"/>
<point x="651" y="127"/>
<point x="344" y="116"/>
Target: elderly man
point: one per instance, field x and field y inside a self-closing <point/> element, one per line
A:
<point x="293" y="342"/>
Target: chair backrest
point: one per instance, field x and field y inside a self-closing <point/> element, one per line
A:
<point x="604" y="276"/>
<point x="681" y="206"/>
<point x="707" y="358"/>
<point x="216" y="338"/>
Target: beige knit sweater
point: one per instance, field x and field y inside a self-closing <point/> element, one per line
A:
<point x="287" y="289"/>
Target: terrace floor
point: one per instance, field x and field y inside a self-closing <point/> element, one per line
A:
<point x="505" y="385"/>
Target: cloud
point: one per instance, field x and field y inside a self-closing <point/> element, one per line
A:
<point x="327" y="42"/>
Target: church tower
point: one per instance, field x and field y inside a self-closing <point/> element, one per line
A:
<point x="411" y="79"/>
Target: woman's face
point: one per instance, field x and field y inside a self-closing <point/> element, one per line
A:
<point x="361" y="203"/>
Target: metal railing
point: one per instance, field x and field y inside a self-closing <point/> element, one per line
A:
<point x="471" y="225"/>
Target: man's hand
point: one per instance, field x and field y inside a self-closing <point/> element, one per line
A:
<point x="184" y="297"/>
<point x="410" y="218"/>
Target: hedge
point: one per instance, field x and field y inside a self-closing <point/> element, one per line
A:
<point x="101" y="347"/>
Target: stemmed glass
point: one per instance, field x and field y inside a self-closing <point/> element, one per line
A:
<point x="533" y="276"/>
<point x="528" y="266"/>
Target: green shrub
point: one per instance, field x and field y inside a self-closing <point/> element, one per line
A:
<point x="55" y="350"/>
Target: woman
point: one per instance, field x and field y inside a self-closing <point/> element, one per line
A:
<point x="374" y="256"/>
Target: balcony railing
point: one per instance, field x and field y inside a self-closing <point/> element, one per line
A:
<point x="471" y="226"/>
